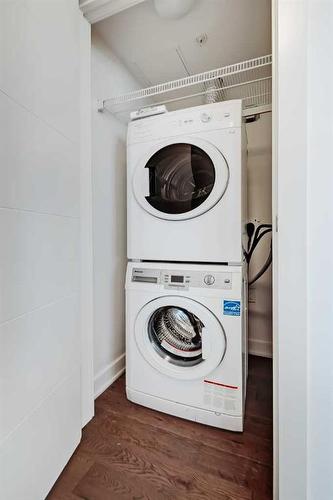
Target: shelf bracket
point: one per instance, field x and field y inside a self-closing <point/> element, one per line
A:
<point x="100" y="105"/>
<point x="253" y="114"/>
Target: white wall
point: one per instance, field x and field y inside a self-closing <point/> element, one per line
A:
<point x="40" y="420"/>
<point x="109" y="77"/>
<point x="259" y="169"/>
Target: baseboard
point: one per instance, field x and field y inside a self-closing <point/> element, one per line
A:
<point x="108" y="375"/>
<point x="260" y="348"/>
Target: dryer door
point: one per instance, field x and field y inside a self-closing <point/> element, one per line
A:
<point x="180" y="337"/>
<point x="181" y="180"/>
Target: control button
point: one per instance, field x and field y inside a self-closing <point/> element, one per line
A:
<point x="205" y="117"/>
<point x="227" y="280"/>
<point x="209" y="279"/>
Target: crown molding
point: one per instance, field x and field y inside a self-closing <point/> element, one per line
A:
<point x="96" y="10"/>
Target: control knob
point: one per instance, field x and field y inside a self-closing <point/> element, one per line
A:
<point x="205" y="117"/>
<point x="209" y="279"/>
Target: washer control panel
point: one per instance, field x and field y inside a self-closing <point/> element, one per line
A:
<point x="196" y="279"/>
<point x="183" y="279"/>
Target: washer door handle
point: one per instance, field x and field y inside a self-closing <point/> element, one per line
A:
<point x="205" y="344"/>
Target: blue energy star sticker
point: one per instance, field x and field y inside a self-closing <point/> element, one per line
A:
<point x="231" y="307"/>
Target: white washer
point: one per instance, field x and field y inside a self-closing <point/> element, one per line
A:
<point x="186" y="340"/>
<point x="186" y="196"/>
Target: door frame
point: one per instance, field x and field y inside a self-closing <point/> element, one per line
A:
<point x="86" y="234"/>
<point x="275" y="251"/>
<point x="96" y="10"/>
<point x="289" y="211"/>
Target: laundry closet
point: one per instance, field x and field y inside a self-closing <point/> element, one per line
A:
<point x="134" y="53"/>
<point x="182" y="199"/>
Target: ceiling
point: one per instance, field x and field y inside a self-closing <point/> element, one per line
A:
<point x="156" y="50"/>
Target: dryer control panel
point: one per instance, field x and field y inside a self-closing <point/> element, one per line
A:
<point x="183" y="279"/>
<point x="221" y="115"/>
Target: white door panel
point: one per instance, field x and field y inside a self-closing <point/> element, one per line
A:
<point x="33" y="456"/>
<point x="40" y="372"/>
<point x="37" y="351"/>
<point x="38" y="260"/>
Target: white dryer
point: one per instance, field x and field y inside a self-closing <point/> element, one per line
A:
<point x="186" y="196"/>
<point x="186" y="340"/>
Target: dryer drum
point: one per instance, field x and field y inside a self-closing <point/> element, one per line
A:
<point x="181" y="177"/>
<point x="176" y="334"/>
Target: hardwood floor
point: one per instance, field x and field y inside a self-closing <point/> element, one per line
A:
<point x="131" y="452"/>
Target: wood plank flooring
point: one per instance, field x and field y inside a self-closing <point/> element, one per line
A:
<point x="131" y="452"/>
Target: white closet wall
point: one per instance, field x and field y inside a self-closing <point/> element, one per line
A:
<point x="40" y="420"/>
<point x="109" y="76"/>
<point x="259" y="134"/>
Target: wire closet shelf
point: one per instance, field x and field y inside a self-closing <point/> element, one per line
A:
<point x="248" y="80"/>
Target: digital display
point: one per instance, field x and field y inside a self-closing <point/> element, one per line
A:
<point x="177" y="279"/>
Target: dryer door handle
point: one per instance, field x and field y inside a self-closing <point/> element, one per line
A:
<point x="205" y="344"/>
<point x="145" y="182"/>
<point x="141" y="183"/>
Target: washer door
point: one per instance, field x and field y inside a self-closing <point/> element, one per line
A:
<point x="181" y="180"/>
<point x="180" y="337"/>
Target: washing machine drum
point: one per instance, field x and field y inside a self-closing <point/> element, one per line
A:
<point x="180" y="337"/>
<point x="176" y="333"/>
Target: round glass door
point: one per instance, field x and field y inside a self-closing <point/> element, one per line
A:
<point x="180" y="180"/>
<point x="176" y="334"/>
<point x="180" y="337"/>
<point x="181" y="177"/>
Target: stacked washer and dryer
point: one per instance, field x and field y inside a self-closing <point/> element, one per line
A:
<point x="186" y="283"/>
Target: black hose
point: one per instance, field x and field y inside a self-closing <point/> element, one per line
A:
<point x="256" y="234"/>
<point x="263" y="269"/>
<point x="250" y="227"/>
<point x="256" y="240"/>
<point x="261" y="226"/>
